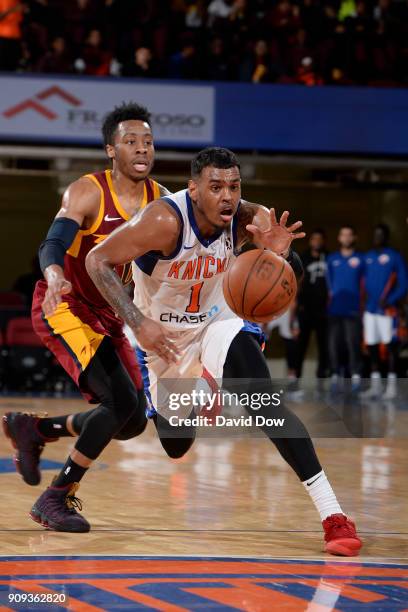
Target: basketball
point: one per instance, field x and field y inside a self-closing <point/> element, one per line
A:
<point x="259" y="286"/>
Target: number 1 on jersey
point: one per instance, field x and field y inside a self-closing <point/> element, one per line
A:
<point x="194" y="305"/>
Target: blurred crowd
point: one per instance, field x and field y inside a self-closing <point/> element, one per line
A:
<point x="356" y="305"/>
<point x="309" y="42"/>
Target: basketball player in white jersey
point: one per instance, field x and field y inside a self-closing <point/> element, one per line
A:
<point x="181" y="246"/>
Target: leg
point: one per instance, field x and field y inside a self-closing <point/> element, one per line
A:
<point x="334" y="344"/>
<point x="305" y="329"/>
<point x="372" y="338"/>
<point x="74" y="346"/>
<point x="320" y="326"/>
<point x="352" y="330"/>
<point x="245" y="360"/>
<point x="107" y="379"/>
<point x="174" y="446"/>
<point x="392" y="346"/>
<point x="133" y="427"/>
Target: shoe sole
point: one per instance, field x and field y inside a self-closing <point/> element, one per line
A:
<point x="344" y="547"/>
<point x="41" y="519"/>
<point x="17" y="463"/>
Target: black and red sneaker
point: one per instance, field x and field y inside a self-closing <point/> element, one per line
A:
<point x="340" y="536"/>
<point x="22" y="430"/>
<point x="55" y="510"/>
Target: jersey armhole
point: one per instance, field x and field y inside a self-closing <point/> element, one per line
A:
<point x="175" y="207"/>
<point x="101" y="211"/>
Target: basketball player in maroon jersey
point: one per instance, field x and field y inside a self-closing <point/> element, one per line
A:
<point x="77" y="324"/>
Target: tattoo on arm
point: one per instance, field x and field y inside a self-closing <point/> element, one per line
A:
<point x="110" y="286"/>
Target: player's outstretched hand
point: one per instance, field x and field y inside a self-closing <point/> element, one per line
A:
<point x="153" y="337"/>
<point x="278" y="237"/>
<point x="58" y="286"/>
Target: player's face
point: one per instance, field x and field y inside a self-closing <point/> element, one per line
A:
<point x="379" y="237"/>
<point x="316" y="241"/>
<point x="133" y="149"/>
<point x="216" y="194"/>
<point x="346" y="238"/>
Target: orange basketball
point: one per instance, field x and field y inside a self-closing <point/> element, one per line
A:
<point x="259" y="286"/>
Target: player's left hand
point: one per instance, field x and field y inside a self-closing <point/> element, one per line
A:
<point x="278" y="237"/>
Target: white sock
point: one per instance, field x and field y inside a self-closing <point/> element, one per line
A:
<point x="392" y="376"/>
<point x="375" y="375"/>
<point x="323" y="497"/>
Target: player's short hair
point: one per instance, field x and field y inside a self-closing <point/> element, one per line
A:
<point x="217" y="157"/>
<point x="385" y="230"/>
<point x="347" y="226"/>
<point x="129" y="111"/>
<point x="318" y="230"/>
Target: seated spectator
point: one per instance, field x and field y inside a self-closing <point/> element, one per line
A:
<point x="306" y="74"/>
<point x="11" y="15"/>
<point x="142" y="65"/>
<point x="258" y="67"/>
<point x="183" y="63"/>
<point x="96" y="59"/>
<point x="79" y="18"/>
<point x="217" y="66"/>
<point x="195" y="13"/>
<point x="58" y="60"/>
<point x="218" y="9"/>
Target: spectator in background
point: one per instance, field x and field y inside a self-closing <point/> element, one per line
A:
<point x="183" y="64"/>
<point x="57" y="60"/>
<point x="195" y="13"/>
<point x="216" y="66"/>
<point x="385" y="283"/>
<point x="95" y="60"/>
<point x="257" y="67"/>
<point x="142" y="65"/>
<point x="11" y="15"/>
<point x="218" y="9"/>
<point x="344" y="277"/>
<point x="312" y="302"/>
<point x="306" y="74"/>
<point x="288" y="327"/>
<point x="80" y="17"/>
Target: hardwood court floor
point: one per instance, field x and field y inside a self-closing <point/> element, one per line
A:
<point x="225" y="498"/>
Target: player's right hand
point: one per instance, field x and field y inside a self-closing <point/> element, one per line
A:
<point x="57" y="287"/>
<point x="153" y="337"/>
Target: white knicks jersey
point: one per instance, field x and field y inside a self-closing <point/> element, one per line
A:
<point x="184" y="290"/>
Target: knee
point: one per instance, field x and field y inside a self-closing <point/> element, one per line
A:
<point x="133" y="428"/>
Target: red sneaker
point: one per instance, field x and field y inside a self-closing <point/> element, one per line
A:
<point x="340" y="536"/>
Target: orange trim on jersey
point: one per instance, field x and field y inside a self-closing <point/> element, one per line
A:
<point x="156" y="190"/>
<point x="76" y="245"/>
<point x="101" y="212"/>
<point x="78" y="337"/>
<point x="115" y="198"/>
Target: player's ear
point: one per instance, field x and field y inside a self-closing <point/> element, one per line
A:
<point x="110" y="151"/>
<point x="192" y="189"/>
